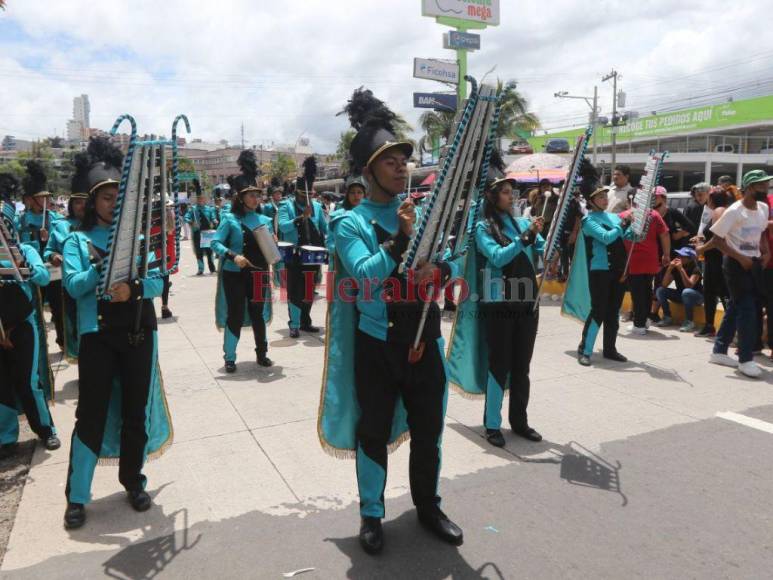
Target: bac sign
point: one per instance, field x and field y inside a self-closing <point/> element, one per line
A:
<point x="437" y="101"/>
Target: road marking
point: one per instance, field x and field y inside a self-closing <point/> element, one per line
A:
<point x="748" y="421"/>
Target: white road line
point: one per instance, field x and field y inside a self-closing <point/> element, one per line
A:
<point x="748" y="421"/>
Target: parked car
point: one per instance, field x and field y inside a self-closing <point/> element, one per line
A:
<point x="726" y="148"/>
<point x="678" y="200"/>
<point x="557" y="146"/>
<point x="520" y="148"/>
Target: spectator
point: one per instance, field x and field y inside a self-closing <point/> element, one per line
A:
<point x="683" y="271"/>
<point x="695" y="209"/>
<point x="727" y="185"/>
<point x="620" y="193"/>
<point x="741" y="235"/>
<point x="769" y="279"/>
<point x="644" y="264"/>
<point x="714" y="287"/>
<point x="680" y="228"/>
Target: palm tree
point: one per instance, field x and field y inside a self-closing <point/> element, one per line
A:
<point x="436" y="125"/>
<point x="514" y="115"/>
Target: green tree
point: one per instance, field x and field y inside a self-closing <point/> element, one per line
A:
<point x="515" y="119"/>
<point x="342" y="151"/>
<point x="283" y="167"/>
<point x="437" y="126"/>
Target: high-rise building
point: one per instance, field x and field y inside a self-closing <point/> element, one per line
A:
<point x="81" y="110"/>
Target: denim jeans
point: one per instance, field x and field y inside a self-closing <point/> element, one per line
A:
<point x="740" y="316"/>
<point x="689" y="297"/>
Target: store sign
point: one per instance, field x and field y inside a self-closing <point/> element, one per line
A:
<point x="461" y="40"/>
<point x="483" y="11"/>
<point x="436" y="70"/>
<point x="721" y="116"/>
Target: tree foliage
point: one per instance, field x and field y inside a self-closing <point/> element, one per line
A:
<point x="283" y="167"/>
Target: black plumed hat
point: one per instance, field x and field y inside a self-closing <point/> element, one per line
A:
<point x="102" y="165"/>
<point x="35" y="179"/>
<point x="79" y="186"/>
<point x="248" y="179"/>
<point x="305" y="182"/>
<point x="496" y="171"/>
<point x="374" y="123"/>
<point x="9" y="187"/>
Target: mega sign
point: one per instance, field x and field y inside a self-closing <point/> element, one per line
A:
<point x="484" y="11"/>
<point x="436" y="70"/>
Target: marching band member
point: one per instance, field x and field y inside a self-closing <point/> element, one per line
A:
<point x="596" y="272"/>
<point x="61" y="229"/>
<point x="242" y="261"/>
<point x="354" y="192"/>
<point x="302" y="222"/>
<point x="122" y="412"/>
<point x="494" y="340"/>
<point x="201" y="217"/>
<point x="35" y="228"/>
<point x="26" y="381"/>
<point x="372" y="395"/>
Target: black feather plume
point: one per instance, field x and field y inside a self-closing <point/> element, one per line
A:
<point x="276" y="182"/>
<point x="79" y="183"/>
<point x="309" y="171"/>
<point x="35" y="179"/>
<point x="495" y="160"/>
<point x="589" y="177"/>
<point x="248" y="164"/>
<point x="101" y="148"/>
<point x="197" y="187"/>
<point x="365" y="109"/>
<point x="9" y="186"/>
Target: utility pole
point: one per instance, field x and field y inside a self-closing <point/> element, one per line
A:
<point x="242" y="134"/>
<point x="594" y="108"/>
<point x="613" y="75"/>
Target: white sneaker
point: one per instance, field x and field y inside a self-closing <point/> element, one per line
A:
<point x="723" y="359"/>
<point x="750" y="369"/>
<point x="641" y="331"/>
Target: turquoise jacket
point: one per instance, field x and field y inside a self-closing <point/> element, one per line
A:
<point x="39" y="275"/>
<point x="81" y="277"/>
<point x="498" y="256"/>
<point x="57" y="236"/>
<point x="205" y="215"/>
<point x="29" y="224"/>
<point x="229" y="238"/>
<point x="602" y="229"/>
<point x="288" y="230"/>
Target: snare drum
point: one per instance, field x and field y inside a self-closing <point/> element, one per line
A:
<point x="313" y="255"/>
<point x="54" y="271"/>
<point x="206" y="238"/>
<point x="287" y="251"/>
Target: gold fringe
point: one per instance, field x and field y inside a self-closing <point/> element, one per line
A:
<point x="464" y="394"/>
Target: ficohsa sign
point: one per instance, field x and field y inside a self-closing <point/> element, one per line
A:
<point x="485" y="11"/>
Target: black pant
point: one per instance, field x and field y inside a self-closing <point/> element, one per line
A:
<point x="641" y="296"/>
<point x="201" y="252"/>
<point x="298" y="294"/>
<point x="382" y="372"/>
<point x="239" y="294"/>
<point x="510" y="337"/>
<point x="16" y="366"/>
<point x="606" y="294"/>
<point x="54" y="296"/>
<point x="104" y="356"/>
<point x="165" y="292"/>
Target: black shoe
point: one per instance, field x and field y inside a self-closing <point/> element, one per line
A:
<point x="139" y="500"/>
<point x="51" y="443"/>
<point x="264" y="361"/>
<point x="653" y="317"/>
<point x="615" y="356"/>
<point x="438" y="523"/>
<point x="294" y="333"/>
<point x="8" y="450"/>
<point x="371" y="535"/>
<point x="165" y="312"/>
<point x="199" y="273"/>
<point x="310" y="328"/>
<point x="528" y="433"/>
<point x="495" y="437"/>
<point x="74" y="516"/>
<point x="584" y="360"/>
<point x="706" y="332"/>
<point x="230" y="366"/>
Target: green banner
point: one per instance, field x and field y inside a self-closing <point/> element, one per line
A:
<point x="722" y="116"/>
<point x="186" y="176"/>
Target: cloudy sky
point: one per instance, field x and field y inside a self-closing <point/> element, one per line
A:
<point x="285" y="68"/>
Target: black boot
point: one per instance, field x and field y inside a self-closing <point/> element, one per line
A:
<point x="230" y="366"/>
<point x="615" y="356"/>
<point x="495" y="437"/>
<point x="310" y="328"/>
<point x="74" y="516"/>
<point x="438" y="523"/>
<point x="528" y="433"/>
<point x="371" y="535"/>
<point x="51" y="442"/>
<point x="139" y="500"/>
<point x="165" y="312"/>
<point x="294" y="333"/>
<point x="264" y="361"/>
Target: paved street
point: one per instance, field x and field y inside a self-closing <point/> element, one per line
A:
<point x="638" y="476"/>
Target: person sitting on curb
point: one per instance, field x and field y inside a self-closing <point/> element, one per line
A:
<point x="684" y="273"/>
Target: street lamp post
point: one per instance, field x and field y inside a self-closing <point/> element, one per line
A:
<point x="594" y="111"/>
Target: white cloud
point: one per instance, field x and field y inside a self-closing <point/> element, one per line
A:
<point x="284" y="68"/>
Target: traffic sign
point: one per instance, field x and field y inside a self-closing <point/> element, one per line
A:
<point x="437" y="101"/>
<point x="436" y="70"/>
<point x="461" y="40"/>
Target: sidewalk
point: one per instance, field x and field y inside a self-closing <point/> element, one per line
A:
<point x="246" y="491"/>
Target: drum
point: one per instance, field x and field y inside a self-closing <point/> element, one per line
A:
<point x="267" y="244"/>
<point x="54" y="271"/>
<point x="287" y="251"/>
<point x="206" y="238"/>
<point x="313" y="255"/>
